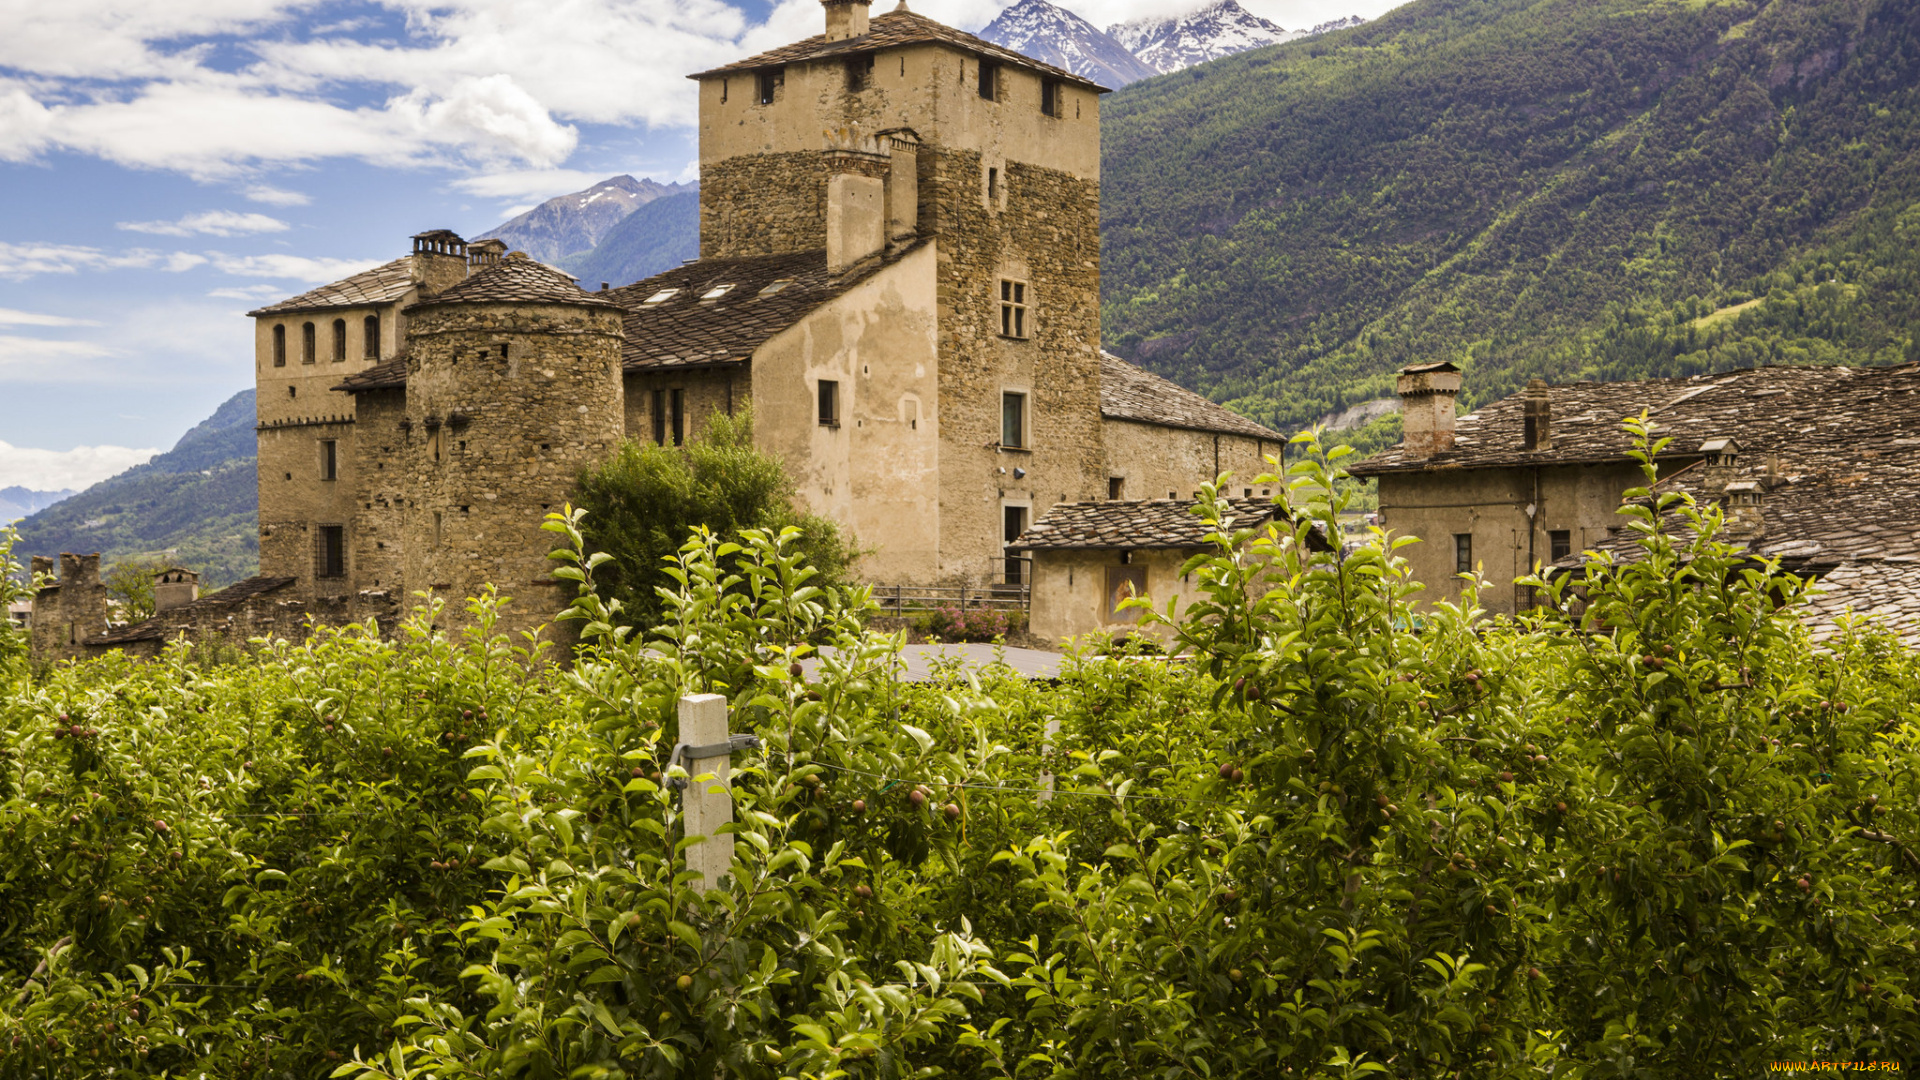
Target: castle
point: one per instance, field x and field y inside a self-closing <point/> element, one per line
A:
<point x="900" y="271"/>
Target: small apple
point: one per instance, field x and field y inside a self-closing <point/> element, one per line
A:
<point x="952" y="810"/>
<point x="684" y="982"/>
<point x="859" y="806"/>
<point x="917" y="797"/>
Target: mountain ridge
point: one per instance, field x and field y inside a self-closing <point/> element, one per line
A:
<point x="1054" y="35"/>
<point x="1169" y="43"/>
<point x="577" y="221"/>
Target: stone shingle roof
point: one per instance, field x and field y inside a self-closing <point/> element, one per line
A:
<point x="516" y="280"/>
<point x="1119" y="524"/>
<point x="1768" y="409"/>
<point x="1884" y="591"/>
<point x="389" y="374"/>
<point x="1131" y="393"/>
<point x="156" y="628"/>
<point x="892" y="30"/>
<point x="686" y="331"/>
<point x="381" y="285"/>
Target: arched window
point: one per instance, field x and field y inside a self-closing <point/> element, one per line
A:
<point x="279" y="346"/>
<point x="306" y="343"/>
<point x="339" y="340"/>
<point x="372" y="351"/>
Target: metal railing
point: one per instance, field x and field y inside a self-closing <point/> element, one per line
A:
<point x="1008" y="589"/>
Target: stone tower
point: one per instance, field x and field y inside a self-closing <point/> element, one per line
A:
<point x="513" y="385"/>
<point x="895" y="131"/>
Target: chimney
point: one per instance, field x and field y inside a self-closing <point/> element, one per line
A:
<point x="903" y="183"/>
<point x="1746" y="511"/>
<point x="845" y="18"/>
<point x="1426" y="408"/>
<point x="484" y="253"/>
<point x="174" y="587"/>
<point x="1718" y="456"/>
<point x="856" y="218"/>
<point x="1539" y="416"/>
<point x="439" y="260"/>
<point x="42" y="566"/>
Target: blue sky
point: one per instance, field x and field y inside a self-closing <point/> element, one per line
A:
<point x="165" y="165"/>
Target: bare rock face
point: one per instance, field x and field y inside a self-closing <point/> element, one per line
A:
<point x="1222" y="28"/>
<point x="572" y="224"/>
<point x="1056" y="36"/>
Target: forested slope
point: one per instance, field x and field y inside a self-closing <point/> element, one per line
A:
<point x="1567" y="188"/>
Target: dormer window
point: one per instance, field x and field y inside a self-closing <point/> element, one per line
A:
<point x="1721" y="452"/>
<point x="660" y="297"/>
<point x="716" y="292"/>
<point x="776" y="286"/>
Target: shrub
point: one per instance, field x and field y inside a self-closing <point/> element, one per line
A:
<point x="950" y="622"/>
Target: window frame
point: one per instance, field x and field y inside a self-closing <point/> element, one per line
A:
<point x="329" y="552"/>
<point x="677" y="415"/>
<point x="1052" y="99"/>
<point x="988" y="80"/>
<point x="827" y="404"/>
<point x="329" y="459"/>
<point x="370" y="337"/>
<point x="1116" y="488"/>
<point x="660" y="417"/>
<point x="308" y="343"/>
<point x="1016" y="309"/>
<point x="1559" y="544"/>
<point x="1015" y="519"/>
<point x="1463" y="553"/>
<point x="1016" y="401"/>
<point x="279" y="344"/>
<point x="768" y="83"/>
<point x="339" y="341"/>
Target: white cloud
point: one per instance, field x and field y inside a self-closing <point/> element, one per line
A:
<point x="210" y="223"/>
<point x="273" y="196"/>
<point x="11" y="317"/>
<point x="31" y="359"/>
<point x="27" y="260"/>
<point x="252" y="294"/>
<point x="294" y="267"/>
<point x="540" y="184"/>
<point x="53" y="470"/>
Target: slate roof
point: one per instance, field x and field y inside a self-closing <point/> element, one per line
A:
<point x="686" y="331"/>
<point x="1768" y="409"/>
<point x="1126" y="524"/>
<point x="516" y="279"/>
<point x="381" y="285"/>
<point x="389" y="374"/>
<point x="155" y="629"/>
<point x="1131" y="393"/>
<point x="891" y="30"/>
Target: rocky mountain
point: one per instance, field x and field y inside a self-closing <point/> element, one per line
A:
<point x="18" y="502"/>
<point x="1331" y="25"/>
<point x="659" y="236"/>
<point x="1170" y="42"/>
<point x="570" y="224"/>
<point x="197" y="504"/>
<point x="1057" y="36"/>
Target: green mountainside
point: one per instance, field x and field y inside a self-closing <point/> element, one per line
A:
<point x="1603" y="189"/>
<point x="198" y="504"/>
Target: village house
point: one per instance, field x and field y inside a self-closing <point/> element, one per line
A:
<point x="1818" y="467"/>
<point x="899" y="272"/>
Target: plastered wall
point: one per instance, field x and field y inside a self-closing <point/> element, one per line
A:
<point x="1070" y="591"/>
<point x="1155" y="462"/>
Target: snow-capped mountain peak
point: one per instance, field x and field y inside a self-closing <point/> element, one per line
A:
<point x="1054" y="35"/>
<point x="1221" y="28"/>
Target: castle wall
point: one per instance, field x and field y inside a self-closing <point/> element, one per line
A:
<point x="705" y="391"/>
<point x="1155" y="462"/>
<point x="69" y="612"/>
<point x="494" y="444"/>
<point x="297" y="498"/>
<point x="375" y="537"/>
<point x="877" y="470"/>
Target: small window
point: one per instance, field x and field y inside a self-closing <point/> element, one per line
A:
<point x="677" y="406"/>
<point x="716" y="292"/>
<point x="339" y="341"/>
<point x="776" y="286"/>
<point x="1116" y="487"/>
<point x="989" y="80"/>
<point x="306" y="343"/>
<point x="1014" y="523"/>
<point x="1050" y="97"/>
<point x="1463" y="553"/>
<point x="1560" y="543"/>
<point x="859" y="73"/>
<point x="1013" y="309"/>
<point x="279" y="346"/>
<point x="329" y="459"/>
<point x="330" y="552"/>
<point x="370" y="337"/>
<point x="659" y="418"/>
<point x="660" y="297"/>
<point x="770" y="83"/>
<point x="829" y="393"/>
<point x="993" y="185"/>
<point x="1013" y="420"/>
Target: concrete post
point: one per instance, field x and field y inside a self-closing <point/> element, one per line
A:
<point x="707" y="804"/>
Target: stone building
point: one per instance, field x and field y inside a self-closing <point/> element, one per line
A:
<point x="1816" y="466"/>
<point x="900" y="271"/>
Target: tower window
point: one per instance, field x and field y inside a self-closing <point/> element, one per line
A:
<point x="330" y="551"/>
<point x="370" y="327"/>
<point x="659" y="418"/>
<point x="1050" y="97"/>
<point x="306" y="343"/>
<point x="339" y="340"/>
<point x="1013" y="308"/>
<point x="1013" y="420"/>
<point x="678" y="407"/>
<point x="280" y="346"/>
<point x="829" y="403"/>
<point x="329" y="459"/>
<point x="1560" y="543"/>
<point x="770" y="83"/>
<point x="993" y="185"/>
<point x="989" y="80"/>
<point x="1463" y="553"/>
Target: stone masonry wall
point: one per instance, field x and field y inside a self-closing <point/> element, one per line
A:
<point x="706" y="390"/>
<point x="764" y="204"/>
<point x="69" y="612"/>
<point x="1152" y="460"/>
<point x="494" y="444"/>
<point x="1043" y="228"/>
<point x="375" y="540"/>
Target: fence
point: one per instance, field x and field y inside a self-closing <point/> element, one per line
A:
<point x="1009" y="588"/>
